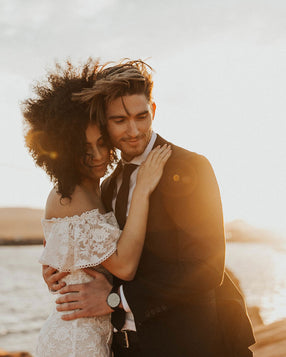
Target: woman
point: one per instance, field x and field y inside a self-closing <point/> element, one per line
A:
<point x="75" y="154"/>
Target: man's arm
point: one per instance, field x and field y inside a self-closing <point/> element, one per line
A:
<point x="87" y="299"/>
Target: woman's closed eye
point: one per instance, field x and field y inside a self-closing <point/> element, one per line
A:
<point x="89" y="155"/>
<point x="101" y="143"/>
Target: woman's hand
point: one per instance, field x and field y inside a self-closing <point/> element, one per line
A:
<point x="52" y="278"/>
<point x="151" y="170"/>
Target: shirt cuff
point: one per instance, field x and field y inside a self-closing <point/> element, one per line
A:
<point x="125" y="305"/>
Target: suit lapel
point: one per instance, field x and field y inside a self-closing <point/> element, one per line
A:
<point x="159" y="141"/>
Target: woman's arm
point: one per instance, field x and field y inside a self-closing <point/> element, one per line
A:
<point x="124" y="262"/>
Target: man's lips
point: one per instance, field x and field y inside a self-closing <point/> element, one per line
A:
<point x="133" y="141"/>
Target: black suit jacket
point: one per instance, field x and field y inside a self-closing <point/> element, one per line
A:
<point x="173" y="295"/>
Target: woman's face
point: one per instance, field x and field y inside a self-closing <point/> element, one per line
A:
<point x="96" y="157"/>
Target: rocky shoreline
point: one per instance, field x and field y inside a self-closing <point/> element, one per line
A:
<point x="270" y="340"/>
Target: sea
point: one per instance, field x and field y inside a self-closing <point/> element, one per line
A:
<point x="25" y="301"/>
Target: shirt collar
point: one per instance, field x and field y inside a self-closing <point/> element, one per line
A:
<point x="137" y="160"/>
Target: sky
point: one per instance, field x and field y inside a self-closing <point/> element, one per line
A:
<point x="220" y="86"/>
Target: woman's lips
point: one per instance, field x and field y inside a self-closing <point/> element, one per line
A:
<point x="99" y="166"/>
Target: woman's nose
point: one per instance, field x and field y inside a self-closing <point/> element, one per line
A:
<point x="97" y="154"/>
<point x="132" y="128"/>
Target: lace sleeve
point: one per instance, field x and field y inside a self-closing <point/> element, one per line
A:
<point x="80" y="241"/>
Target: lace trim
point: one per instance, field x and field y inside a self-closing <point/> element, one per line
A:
<point x="80" y="266"/>
<point x="76" y="216"/>
<point x="80" y="241"/>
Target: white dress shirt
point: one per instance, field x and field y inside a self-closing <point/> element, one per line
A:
<point x="138" y="160"/>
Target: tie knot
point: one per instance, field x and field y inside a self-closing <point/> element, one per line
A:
<point x="128" y="169"/>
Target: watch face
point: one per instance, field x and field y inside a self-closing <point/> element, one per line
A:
<point x="113" y="300"/>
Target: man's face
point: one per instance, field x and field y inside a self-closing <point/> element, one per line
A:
<point x="129" y="123"/>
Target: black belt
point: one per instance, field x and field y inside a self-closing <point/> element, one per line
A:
<point x="125" y="339"/>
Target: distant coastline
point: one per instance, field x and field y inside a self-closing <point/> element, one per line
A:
<point x="21" y="241"/>
<point x="240" y="231"/>
<point x="22" y="226"/>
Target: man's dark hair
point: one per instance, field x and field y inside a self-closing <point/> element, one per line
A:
<point x="126" y="78"/>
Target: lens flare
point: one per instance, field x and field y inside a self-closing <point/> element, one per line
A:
<point x="34" y="141"/>
<point x="176" y="177"/>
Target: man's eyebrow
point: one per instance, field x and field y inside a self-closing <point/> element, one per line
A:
<point x="122" y="116"/>
<point x="142" y="113"/>
<point x="116" y="117"/>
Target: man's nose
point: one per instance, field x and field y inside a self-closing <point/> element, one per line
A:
<point x="132" y="128"/>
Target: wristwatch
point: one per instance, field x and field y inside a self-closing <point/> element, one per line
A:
<point x="113" y="299"/>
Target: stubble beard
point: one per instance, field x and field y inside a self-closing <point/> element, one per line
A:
<point x="128" y="153"/>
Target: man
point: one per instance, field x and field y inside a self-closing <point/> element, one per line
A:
<point x="176" y="303"/>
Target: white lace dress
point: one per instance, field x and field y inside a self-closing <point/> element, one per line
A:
<point x="73" y="243"/>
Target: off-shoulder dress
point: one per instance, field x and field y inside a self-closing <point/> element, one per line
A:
<point x="73" y="243"/>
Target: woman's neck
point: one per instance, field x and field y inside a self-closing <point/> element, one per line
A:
<point x="91" y="185"/>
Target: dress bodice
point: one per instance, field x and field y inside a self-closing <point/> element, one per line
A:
<point x="79" y="241"/>
<point x="73" y="243"/>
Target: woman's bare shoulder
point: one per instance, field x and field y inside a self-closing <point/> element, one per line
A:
<point x="58" y="207"/>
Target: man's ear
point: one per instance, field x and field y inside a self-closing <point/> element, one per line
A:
<point x="153" y="108"/>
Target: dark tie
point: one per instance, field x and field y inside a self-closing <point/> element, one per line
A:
<point x="122" y="196"/>
<point x="118" y="316"/>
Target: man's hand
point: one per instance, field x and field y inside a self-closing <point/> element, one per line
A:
<point x="52" y="277"/>
<point x="89" y="299"/>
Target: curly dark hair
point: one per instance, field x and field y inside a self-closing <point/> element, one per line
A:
<point x="55" y="124"/>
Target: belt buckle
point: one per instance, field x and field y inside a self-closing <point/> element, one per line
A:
<point x="126" y="339"/>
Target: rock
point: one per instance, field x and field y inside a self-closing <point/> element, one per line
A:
<point x="255" y="317"/>
<point x="271" y="340"/>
